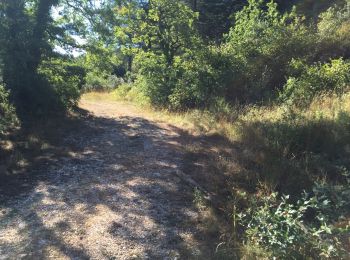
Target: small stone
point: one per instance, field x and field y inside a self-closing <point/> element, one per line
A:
<point x="21" y="225"/>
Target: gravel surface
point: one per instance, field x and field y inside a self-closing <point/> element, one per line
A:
<point x="116" y="196"/>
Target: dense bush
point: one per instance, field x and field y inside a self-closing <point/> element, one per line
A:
<point x="97" y="82"/>
<point x="191" y="81"/>
<point x="155" y="79"/>
<point x="334" y="33"/>
<point x="7" y="111"/>
<point x="168" y="53"/>
<point x="66" y="79"/>
<point x="305" y="228"/>
<point x="310" y="81"/>
<point x="103" y="68"/>
<point x="262" y="43"/>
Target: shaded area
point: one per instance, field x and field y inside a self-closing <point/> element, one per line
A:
<point x="288" y="155"/>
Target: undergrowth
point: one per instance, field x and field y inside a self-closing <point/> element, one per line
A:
<point x="8" y="116"/>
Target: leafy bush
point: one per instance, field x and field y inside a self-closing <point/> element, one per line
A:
<point x="253" y="62"/>
<point x="316" y="79"/>
<point x="195" y="79"/>
<point x="287" y="229"/>
<point x="66" y="79"/>
<point x="200" y="79"/>
<point x="334" y="33"/>
<point x="262" y="43"/>
<point x="97" y="82"/>
<point x="168" y="73"/>
<point x="128" y="92"/>
<point x="155" y="79"/>
<point x="7" y="111"/>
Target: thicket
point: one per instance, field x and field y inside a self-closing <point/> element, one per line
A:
<point x="285" y="229"/>
<point x="310" y="81"/>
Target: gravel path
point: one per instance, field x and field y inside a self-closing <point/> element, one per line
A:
<point x="116" y="196"/>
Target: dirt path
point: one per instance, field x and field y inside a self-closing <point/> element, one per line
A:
<point x="116" y="196"/>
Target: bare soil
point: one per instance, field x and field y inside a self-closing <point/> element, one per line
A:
<point x="109" y="190"/>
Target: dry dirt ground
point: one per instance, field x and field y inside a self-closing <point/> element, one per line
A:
<point x="114" y="195"/>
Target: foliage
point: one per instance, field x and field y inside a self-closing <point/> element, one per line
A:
<point x="334" y="33"/>
<point x="189" y="82"/>
<point x="168" y="43"/>
<point x="7" y="111"/>
<point x="104" y="68"/>
<point x="66" y="79"/>
<point x="127" y="92"/>
<point x="97" y="82"/>
<point x="24" y="44"/>
<point x="285" y="229"/>
<point x="262" y="42"/>
<point x="214" y="17"/>
<point x="316" y="79"/>
<point x="156" y="87"/>
<point x="38" y="82"/>
<point x="252" y="64"/>
<point x="312" y="8"/>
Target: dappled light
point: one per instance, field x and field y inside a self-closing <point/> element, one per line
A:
<point x="114" y="190"/>
<point x="174" y="129"/>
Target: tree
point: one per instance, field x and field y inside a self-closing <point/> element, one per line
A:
<point x="262" y="44"/>
<point x="25" y="43"/>
<point x="29" y="34"/>
<point x="215" y="16"/>
<point x="162" y="36"/>
<point x="166" y="28"/>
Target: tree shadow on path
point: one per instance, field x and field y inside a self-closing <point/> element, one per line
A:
<point x="107" y="190"/>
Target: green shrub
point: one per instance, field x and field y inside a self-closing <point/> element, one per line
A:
<point x="302" y="229"/>
<point x="199" y="80"/>
<point x="334" y="33"/>
<point x="130" y="92"/>
<point x="94" y="81"/>
<point x="195" y="79"/>
<point x="7" y="111"/>
<point x="155" y="78"/>
<point x="262" y="43"/>
<point x="97" y="82"/>
<point x="316" y="79"/>
<point x="66" y="80"/>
